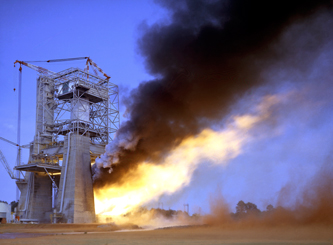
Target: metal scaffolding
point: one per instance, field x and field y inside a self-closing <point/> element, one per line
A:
<point x="78" y="102"/>
<point x="77" y="113"/>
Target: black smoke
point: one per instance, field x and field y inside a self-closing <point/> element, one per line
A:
<point x="207" y="56"/>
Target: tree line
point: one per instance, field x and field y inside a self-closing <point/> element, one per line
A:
<point x="245" y="209"/>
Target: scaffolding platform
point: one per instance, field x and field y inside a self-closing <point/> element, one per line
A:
<point x="80" y="130"/>
<point x="39" y="167"/>
<point x="82" y="93"/>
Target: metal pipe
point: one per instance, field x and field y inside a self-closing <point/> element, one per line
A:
<point x="32" y="185"/>
<point x="50" y="177"/>
<point x="38" y="141"/>
<point x="53" y="186"/>
<point x="64" y="184"/>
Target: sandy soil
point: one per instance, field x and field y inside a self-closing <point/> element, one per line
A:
<point x="109" y="234"/>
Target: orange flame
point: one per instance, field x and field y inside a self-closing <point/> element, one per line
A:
<point x="149" y="181"/>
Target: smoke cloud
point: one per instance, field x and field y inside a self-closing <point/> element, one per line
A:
<point x="312" y="208"/>
<point x="206" y="57"/>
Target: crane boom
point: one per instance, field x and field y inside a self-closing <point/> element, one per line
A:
<point x="10" y="142"/>
<point x="48" y="72"/>
<point x="36" y="68"/>
<point x="5" y="164"/>
<point x="59" y="60"/>
<point x="89" y="61"/>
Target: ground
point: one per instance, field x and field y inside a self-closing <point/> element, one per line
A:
<point x="100" y="234"/>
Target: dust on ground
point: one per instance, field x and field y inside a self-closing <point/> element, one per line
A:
<point x="105" y="234"/>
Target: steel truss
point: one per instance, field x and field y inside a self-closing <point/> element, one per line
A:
<point x="74" y="91"/>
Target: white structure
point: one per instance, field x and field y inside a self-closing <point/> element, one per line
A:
<point x="5" y="213"/>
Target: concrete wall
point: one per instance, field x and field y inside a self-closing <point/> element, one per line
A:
<point x="36" y="197"/>
<point x="24" y="188"/>
<point x="40" y="200"/>
<point x="78" y="201"/>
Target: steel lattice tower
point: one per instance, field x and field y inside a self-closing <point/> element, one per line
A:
<point x="76" y="116"/>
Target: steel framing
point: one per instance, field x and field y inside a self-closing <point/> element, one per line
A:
<point x="71" y="88"/>
<point x="59" y="97"/>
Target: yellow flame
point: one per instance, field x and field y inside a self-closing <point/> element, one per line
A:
<point x="149" y="181"/>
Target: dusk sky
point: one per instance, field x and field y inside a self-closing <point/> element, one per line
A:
<point x="41" y="30"/>
<point x="282" y="153"/>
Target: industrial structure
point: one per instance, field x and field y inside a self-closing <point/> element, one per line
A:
<point x="5" y="212"/>
<point x="76" y="116"/>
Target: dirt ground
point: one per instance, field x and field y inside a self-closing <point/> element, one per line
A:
<point x="102" y="234"/>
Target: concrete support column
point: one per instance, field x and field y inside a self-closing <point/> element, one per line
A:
<point x="40" y="204"/>
<point x="78" y="201"/>
<point x="36" y="197"/>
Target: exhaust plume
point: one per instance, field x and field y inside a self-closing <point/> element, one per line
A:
<point x="205" y="58"/>
<point x="148" y="181"/>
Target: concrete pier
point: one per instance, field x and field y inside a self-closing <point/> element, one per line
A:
<point x="77" y="202"/>
<point x="36" y="197"/>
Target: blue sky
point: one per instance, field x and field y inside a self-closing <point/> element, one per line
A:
<point x="290" y="150"/>
<point x="41" y="30"/>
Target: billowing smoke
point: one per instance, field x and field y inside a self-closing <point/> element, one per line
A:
<point x="207" y="56"/>
<point x="312" y="208"/>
